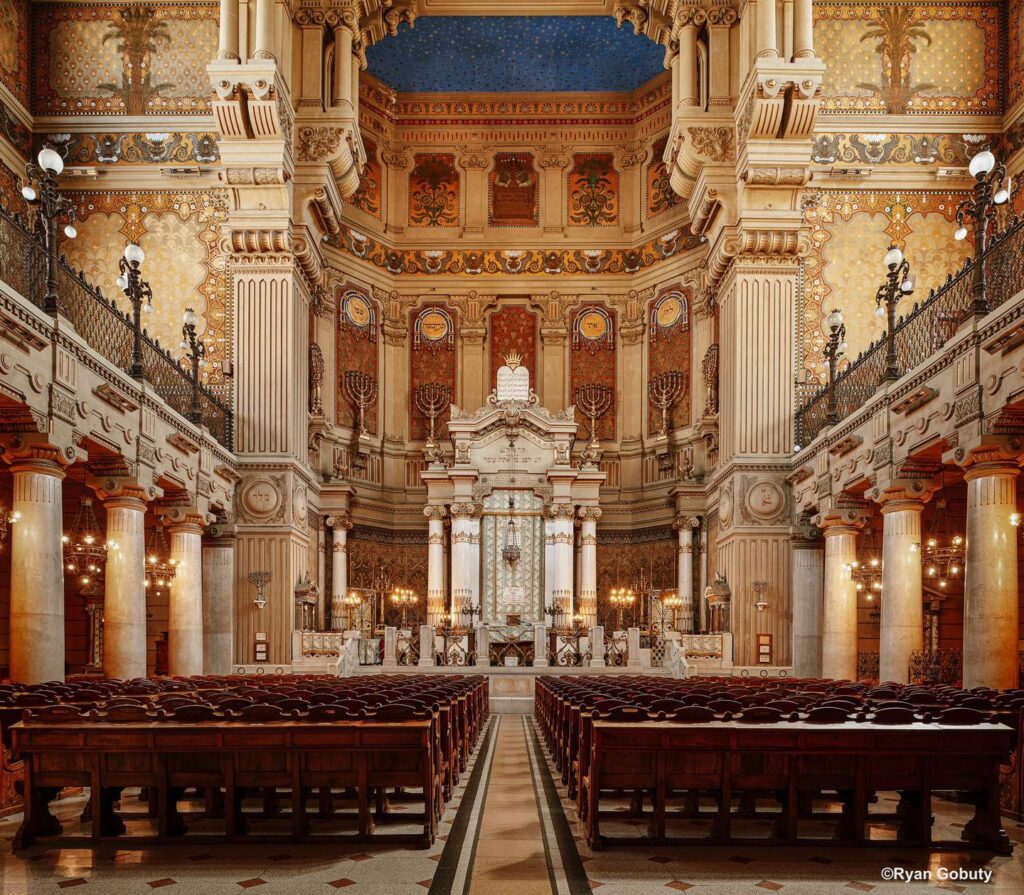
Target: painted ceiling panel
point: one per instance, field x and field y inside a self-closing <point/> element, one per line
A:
<point x="515" y="53"/>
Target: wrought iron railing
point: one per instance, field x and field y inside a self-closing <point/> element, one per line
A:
<point x="104" y="327"/>
<point x="939" y="666"/>
<point x="921" y="333"/>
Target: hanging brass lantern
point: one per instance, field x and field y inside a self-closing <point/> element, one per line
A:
<point x="85" y="550"/>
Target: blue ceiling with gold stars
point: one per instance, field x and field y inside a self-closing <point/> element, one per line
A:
<point x="507" y="54"/>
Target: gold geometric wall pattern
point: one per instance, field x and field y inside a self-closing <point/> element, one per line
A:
<point x="184" y="265"/>
<point x="850" y="232"/>
<point x="905" y="58"/>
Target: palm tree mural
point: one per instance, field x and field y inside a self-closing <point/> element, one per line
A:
<point x="897" y="35"/>
<point x="139" y="34"/>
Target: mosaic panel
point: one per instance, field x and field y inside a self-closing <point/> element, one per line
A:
<point x="513" y="331"/>
<point x="901" y="58"/>
<point x="368" y="197"/>
<point x="668" y="348"/>
<point x="505" y="262"/>
<point x="514" y="193"/>
<point x="14" y="44"/>
<point x="660" y="195"/>
<point x="592" y="361"/>
<point x="593" y="190"/>
<point x="185" y="265"/>
<point x="432" y="359"/>
<point x="135" y="59"/>
<point x="357" y="348"/>
<point x="850" y="232"/>
<point x="434" y="191"/>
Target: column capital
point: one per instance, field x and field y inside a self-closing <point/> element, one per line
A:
<point x="986" y="450"/>
<point x="560" y="511"/>
<point x="339" y="521"/>
<point x="903" y="494"/>
<point x="188" y="519"/>
<point x="590" y="514"/>
<point x="992" y="468"/>
<point x="841" y="521"/>
<point x="435" y="512"/>
<point x="35" y="453"/>
<point x="685" y="521"/>
<point x="122" y="491"/>
<point x="465" y="511"/>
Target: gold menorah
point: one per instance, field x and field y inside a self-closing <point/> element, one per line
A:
<point x="431" y="399"/>
<point x="361" y="389"/>
<point x="594" y="400"/>
<point x="663" y="390"/>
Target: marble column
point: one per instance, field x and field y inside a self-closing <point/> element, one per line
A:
<point x="767" y="35"/>
<point x="558" y="573"/>
<point x="901" y="631"/>
<point x="341" y="89"/>
<point x="436" y="601"/>
<point x="340" y="526"/>
<point x="37" y="570"/>
<point x="990" y="577"/>
<point x="808" y="589"/>
<point x="124" y="609"/>
<point x="588" y="558"/>
<point x="228" y="45"/>
<point x="185" y="613"/>
<point x="687" y="84"/>
<point x="218" y="599"/>
<point x="265" y="12"/>
<point x="465" y="558"/>
<point x="839" y="616"/>
<point x="803" y="30"/>
<point x="684" y="573"/>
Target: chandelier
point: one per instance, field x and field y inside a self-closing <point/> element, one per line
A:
<point x="943" y="553"/>
<point x="85" y="551"/>
<point x="867" y="574"/>
<point x="160" y="567"/>
<point x="511" y="552"/>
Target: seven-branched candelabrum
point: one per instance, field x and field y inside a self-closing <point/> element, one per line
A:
<point x="431" y="399"/>
<point x="594" y="400"/>
<point x="663" y="390"/>
<point x="361" y="390"/>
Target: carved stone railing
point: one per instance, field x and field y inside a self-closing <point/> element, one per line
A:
<point x="921" y="333"/>
<point x="105" y="328"/>
<point x="702" y="646"/>
<point x="322" y="643"/>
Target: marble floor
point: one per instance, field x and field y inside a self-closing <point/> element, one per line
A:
<point x="509" y="830"/>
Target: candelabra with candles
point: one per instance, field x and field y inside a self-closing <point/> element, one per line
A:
<point x="621" y="599"/>
<point x="353" y="602"/>
<point x="404" y="598"/>
<point x="361" y="390"/>
<point x="594" y="400"/>
<point x="835" y="348"/>
<point x="663" y="390"/>
<point x="671" y="600"/>
<point x="260" y="579"/>
<point x="41" y="191"/>
<point x="991" y="188"/>
<point x="139" y="293"/>
<point x="85" y="550"/>
<point x="898" y="283"/>
<point x="560" y="605"/>
<point x="462" y="600"/>
<point x="431" y="399"/>
<point x="196" y="359"/>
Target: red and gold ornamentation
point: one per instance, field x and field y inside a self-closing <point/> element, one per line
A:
<point x="592" y="358"/>
<point x="357" y="349"/>
<point x="513" y="330"/>
<point x="434" y="191"/>
<point x="514" y="193"/>
<point x="593" y="190"/>
<point x="433" y="335"/>
<point x="668" y="348"/>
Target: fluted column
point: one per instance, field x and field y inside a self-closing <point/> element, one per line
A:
<point x="342" y="88"/>
<point x="465" y="558"/>
<point x="901" y="631"/>
<point x="218" y="598"/>
<point x="684" y="573"/>
<point x="228" y="45"/>
<point x="124" y="609"/>
<point x="990" y="582"/>
<point x="803" y="30"/>
<point x="340" y="526"/>
<point x="588" y="556"/>
<point x="436" y="601"/>
<point x="808" y="586"/>
<point x="37" y="569"/>
<point x="185" y="613"/>
<point x="839" y="617"/>
<point x="263" y="48"/>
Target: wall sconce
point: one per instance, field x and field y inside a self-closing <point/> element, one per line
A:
<point x="260" y="580"/>
<point x="7" y="519"/>
<point x="760" y="587"/>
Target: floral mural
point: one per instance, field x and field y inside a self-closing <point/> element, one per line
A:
<point x="660" y="195"/>
<point x="514" y="196"/>
<point x="434" y="191"/>
<point x="185" y="265"/>
<point x="133" y="59"/>
<point x="905" y="58"/>
<point x="367" y="197"/>
<point x="850" y="232"/>
<point x="593" y="190"/>
<point x="513" y="329"/>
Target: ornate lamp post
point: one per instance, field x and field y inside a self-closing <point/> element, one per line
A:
<point x="989" y="191"/>
<point x="835" y="348"/>
<point x="898" y="282"/>
<point x="197" y="360"/>
<point x="140" y="295"/>
<point x="41" y="191"/>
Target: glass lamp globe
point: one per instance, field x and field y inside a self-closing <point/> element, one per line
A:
<point x="50" y="160"/>
<point x="842" y="347"/>
<point x="122" y="283"/>
<point x="133" y="254"/>
<point x="893" y="257"/>
<point x="29" y="193"/>
<point x="1001" y="197"/>
<point x="70" y="232"/>
<point x="834" y="320"/>
<point x="190" y="317"/>
<point x="981" y="164"/>
<point x="147" y="308"/>
<point x="879" y="311"/>
<point x="183" y="345"/>
<point x="907" y="286"/>
<point x="961" y="234"/>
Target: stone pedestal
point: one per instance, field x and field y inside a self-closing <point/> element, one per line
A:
<point x="540" y="646"/>
<point x="990" y="583"/>
<point x="124" y="610"/>
<point x="597" y="646"/>
<point x="633" y="648"/>
<point x="483" y="647"/>
<point x="390" y="657"/>
<point x="426" y="646"/>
